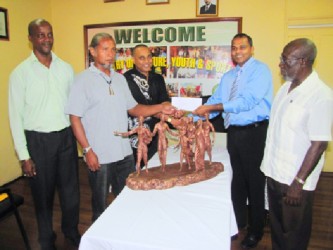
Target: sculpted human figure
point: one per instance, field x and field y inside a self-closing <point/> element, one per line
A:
<point x="207" y="127"/>
<point x="199" y="154"/>
<point x="161" y="128"/>
<point x="185" y="152"/>
<point x="144" y="138"/>
<point x="190" y="133"/>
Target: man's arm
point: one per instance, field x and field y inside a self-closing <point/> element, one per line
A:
<point x="16" y="102"/>
<point x="293" y="196"/>
<point x="158" y="115"/>
<point x="203" y="109"/>
<point x="150" y="110"/>
<point x="79" y="132"/>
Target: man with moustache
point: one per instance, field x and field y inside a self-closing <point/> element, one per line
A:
<point x="244" y="96"/>
<point x="98" y="105"/>
<point x="298" y="135"/>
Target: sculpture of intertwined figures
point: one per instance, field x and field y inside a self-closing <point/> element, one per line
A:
<point x="193" y="139"/>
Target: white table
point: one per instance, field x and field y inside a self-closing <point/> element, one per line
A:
<point x="198" y="216"/>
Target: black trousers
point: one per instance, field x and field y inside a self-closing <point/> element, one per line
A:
<point x="246" y="148"/>
<point x="290" y="225"/>
<point x="56" y="159"/>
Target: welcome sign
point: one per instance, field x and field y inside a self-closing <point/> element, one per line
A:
<point x="191" y="54"/>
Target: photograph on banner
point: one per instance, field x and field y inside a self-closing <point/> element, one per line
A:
<point x="204" y="63"/>
<point x="190" y="89"/>
<point x="124" y="59"/>
<point x="172" y="88"/>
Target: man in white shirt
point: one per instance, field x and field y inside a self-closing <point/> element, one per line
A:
<point x="298" y="135"/>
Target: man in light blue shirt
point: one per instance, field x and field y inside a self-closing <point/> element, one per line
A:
<point x="244" y="97"/>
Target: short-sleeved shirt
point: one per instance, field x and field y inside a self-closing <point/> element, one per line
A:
<point x="102" y="112"/>
<point x="147" y="91"/>
<point x="297" y="118"/>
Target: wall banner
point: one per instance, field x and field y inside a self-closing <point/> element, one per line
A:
<point x="191" y="54"/>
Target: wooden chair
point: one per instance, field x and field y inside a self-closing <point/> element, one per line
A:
<point x="8" y="206"/>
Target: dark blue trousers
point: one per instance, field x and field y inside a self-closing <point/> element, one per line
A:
<point x="114" y="174"/>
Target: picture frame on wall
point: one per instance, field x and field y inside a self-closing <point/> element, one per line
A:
<point x="148" y="2"/>
<point x="4" y="31"/>
<point x="207" y="8"/>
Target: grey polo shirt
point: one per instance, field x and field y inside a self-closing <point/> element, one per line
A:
<point x="102" y="113"/>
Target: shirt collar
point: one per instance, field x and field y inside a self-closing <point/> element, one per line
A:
<point x="97" y="71"/>
<point x="246" y="65"/>
<point x="33" y="57"/>
<point x="308" y="83"/>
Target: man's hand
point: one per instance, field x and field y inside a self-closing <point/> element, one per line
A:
<point x="92" y="161"/>
<point x="294" y="194"/>
<point x="168" y="109"/>
<point x="28" y="168"/>
<point x="202" y="110"/>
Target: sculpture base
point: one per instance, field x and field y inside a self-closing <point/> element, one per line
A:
<point x="156" y="179"/>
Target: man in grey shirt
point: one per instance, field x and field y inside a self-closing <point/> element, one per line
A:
<point x="98" y="105"/>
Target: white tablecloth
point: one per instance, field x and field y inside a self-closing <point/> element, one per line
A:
<point x="198" y="216"/>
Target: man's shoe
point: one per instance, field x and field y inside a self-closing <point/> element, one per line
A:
<point x="250" y="241"/>
<point x="74" y="239"/>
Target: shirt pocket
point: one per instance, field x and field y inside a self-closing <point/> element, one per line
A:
<point x="297" y="117"/>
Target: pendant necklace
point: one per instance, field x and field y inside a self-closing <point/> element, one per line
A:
<point x="111" y="92"/>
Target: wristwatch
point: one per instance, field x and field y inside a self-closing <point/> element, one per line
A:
<point x="169" y="119"/>
<point x="86" y="150"/>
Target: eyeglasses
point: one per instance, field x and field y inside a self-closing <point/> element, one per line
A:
<point x="289" y="61"/>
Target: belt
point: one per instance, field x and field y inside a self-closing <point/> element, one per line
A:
<point x="51" y="132"/>
<point x="249" y="126"/>
<point x="59" y="131"/>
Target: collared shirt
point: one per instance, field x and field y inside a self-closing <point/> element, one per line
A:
<point x="102" y="113"/>
<point x="254" y="95"/>
<point x="298" y="117"/>
<point x="37" y="97"/>
<point x="148" y="91"/>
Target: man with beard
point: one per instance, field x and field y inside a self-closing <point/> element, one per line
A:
<point x="98" y="105"/>
<point x="298" y="134"/>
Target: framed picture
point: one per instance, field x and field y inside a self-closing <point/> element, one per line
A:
<point x="4" y="32"/>
<point x="157" y="1"/>
<point x="207" y="8"/>
<point x="109" y="1"/>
